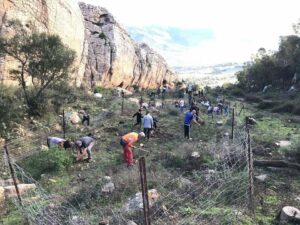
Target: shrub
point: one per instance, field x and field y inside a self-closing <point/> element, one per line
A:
<point x="287" y="107"/>
<point x="11" y="108"/>
<point x="237" y="92"/>
<point x="253" y="98"/>
<point x="267" y="104"/>
<point x="98" y="89"/>
<point x="173" y="112"/>
<point x="50" y="161"/>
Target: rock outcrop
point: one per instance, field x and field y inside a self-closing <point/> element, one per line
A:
<point x="113" y="56"/>
<point x="106" y="54"/>
<point x="61" y="17"/>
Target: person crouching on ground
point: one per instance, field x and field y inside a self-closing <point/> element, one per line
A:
<point x="56" y="141"/>
<point x="127" y="142"/>
<point x="85" y="144"/>
<point x="188" y="118"/>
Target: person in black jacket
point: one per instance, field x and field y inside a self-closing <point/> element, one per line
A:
<point x="139" y="117"/>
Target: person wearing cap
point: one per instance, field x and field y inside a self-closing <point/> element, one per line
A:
<point x="127" y="142"/>
<point x="85" y="144"/>
<point x="188" y="118"/>
<point x="60" y="142"/>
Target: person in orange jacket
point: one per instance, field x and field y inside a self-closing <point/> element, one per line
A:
<point x="127" y="142"/>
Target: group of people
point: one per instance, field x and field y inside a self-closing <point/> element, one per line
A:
<point x="83" y="145"/>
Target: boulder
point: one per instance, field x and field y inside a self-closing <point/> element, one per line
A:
<point x="2" y="196"/>
<point x="115" y="59"/>
<point x="10" y="191"/>
<point x="134" y="100"/>
<point x="98" y="95"/>
<point x="74" y="118"/>
<point x="136" y="202"/>
<point x="195" y="155"/>
<point x="289" y="214"/>
<point x="220" y="123"/>
<point x="262" y="177"/>
<point x="108" y="188"/>
<point x="130" y="222"/>
<point x="58" y="128"/>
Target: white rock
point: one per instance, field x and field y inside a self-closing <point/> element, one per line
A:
<point x="134" y="100"/>
<point x="136" y="202"/>
<point x="220" y="123"/>
<point x="283" y="143"/>
<point x="130" y="222"/>
<point x="98" y="95"/>
<point x="107" y="178"/>
<point x="195" y="155"/>
<point x="262" y="177"/>
<point x="108" y="188"/>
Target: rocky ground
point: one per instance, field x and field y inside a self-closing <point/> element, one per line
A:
<point x="198" y="181"/>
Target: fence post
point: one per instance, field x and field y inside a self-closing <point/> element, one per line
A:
<point x="122" y="95"/>
<point x="12" y="173"/>
<point x="250" y="168"/>
<point x="232" y="123"/>
<point x="144" y="186"/>
<point x="64" y="124"/>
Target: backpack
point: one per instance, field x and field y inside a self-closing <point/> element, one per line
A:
<point x="122" y="142"/>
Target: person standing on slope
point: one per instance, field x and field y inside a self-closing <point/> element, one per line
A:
<point x="188" y="118"/>
<point x="139" y="117"/>
<point x="127" y="142"/>
<point x="148" y="124"/>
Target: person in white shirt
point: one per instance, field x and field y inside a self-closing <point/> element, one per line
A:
<point x="148" y="124"/>
<point x="181" y="105"/>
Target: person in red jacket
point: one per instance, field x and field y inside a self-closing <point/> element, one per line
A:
<point x="127" y="142"/>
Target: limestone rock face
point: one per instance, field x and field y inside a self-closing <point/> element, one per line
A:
<point x="61" y="17"/>
<point x="114" y="58"/>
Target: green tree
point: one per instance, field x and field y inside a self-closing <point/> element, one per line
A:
<point x="42" y="58"/>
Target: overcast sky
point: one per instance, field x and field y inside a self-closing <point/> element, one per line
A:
<point x="239" y="27"/>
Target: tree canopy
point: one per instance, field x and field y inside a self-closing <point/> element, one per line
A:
<point x="42" y="58"/>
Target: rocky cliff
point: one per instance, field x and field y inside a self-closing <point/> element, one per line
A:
<point x="106" y="54"/>
<point x="113" y="56"/>
<point x="53" y="16"/>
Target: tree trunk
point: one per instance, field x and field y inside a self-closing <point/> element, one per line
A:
<point x="276" y="163"/>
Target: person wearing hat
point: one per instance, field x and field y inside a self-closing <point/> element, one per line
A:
<point x="60" y="142"/>
<point x="85" y="144"/>
<point x="127" y="142"/>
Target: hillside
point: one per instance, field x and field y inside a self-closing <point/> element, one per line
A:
<point x="106" y="54"/>
<point x="199" y="181"/>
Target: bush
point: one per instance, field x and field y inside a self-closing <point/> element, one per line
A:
<point x="287" y="107"/>
<point x="98" y="89"/>
<point x="50" y="161"/>
<point x="174" y="112"/>
<point x="267" y="104"/>
<point x="253" y="98"/>
<point x="12" y="108"/>
<point x="237" y="92"/>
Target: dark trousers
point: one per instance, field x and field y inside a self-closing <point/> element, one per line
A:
<point x="138" y="123"/>
<point x="87" y="119"/>
<point x="187" y="131"/>
<point x="147" y="132"/>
